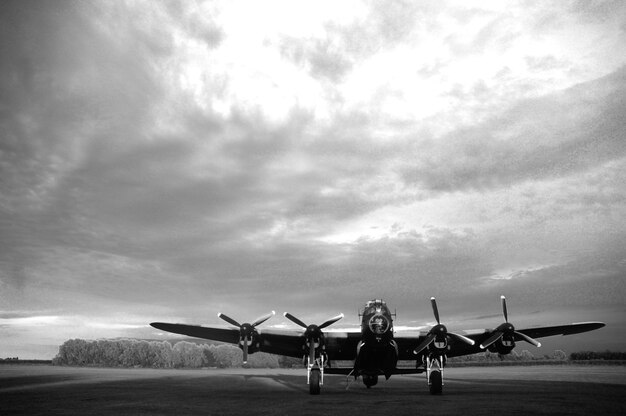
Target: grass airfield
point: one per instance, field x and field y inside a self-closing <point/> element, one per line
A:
<point x="562" y="390"/>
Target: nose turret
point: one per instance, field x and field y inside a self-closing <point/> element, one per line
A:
<point x="377" y="319"/>
<point x="378" y="324"/>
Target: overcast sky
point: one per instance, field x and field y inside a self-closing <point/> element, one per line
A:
<point x="165" y="161"/>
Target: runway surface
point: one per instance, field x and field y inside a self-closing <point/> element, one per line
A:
<point x="555" y="390"/>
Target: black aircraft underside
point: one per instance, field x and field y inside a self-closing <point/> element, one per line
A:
<point x="376" y="348"/>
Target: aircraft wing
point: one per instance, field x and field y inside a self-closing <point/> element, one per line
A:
<point x="216" y="334"/>
<point x="407" y="342"/>
<point x="343" y="345"/>
<point x="339" y="345"/>
<point x="548" y="331"/>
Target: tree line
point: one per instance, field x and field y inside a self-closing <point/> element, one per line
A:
<point x="526" y="356"/>
<point x="592" y="355"/>
<point x="160" y="354"/>
<point x="514" y="356"/>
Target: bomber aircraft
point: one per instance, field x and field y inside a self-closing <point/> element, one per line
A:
<point x="376" y="348"/>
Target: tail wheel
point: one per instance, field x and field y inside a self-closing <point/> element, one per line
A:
<point x="314" y="381"/>
<point x="370" y="381"/>
<point x="436" y="383"/>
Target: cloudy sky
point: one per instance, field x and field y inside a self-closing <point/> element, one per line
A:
<point x="164" y="161"/>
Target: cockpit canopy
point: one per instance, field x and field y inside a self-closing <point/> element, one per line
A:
<point x="375" y="306"/>
<point x="374" y="301"/>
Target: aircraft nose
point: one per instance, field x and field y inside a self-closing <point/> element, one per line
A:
<point x="379" y="324"/>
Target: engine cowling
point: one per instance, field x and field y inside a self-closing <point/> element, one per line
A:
<point x="249" y="339"/>
<point x="502" y="346"/>
<point x="502" y="339"/>
<point x="313" y="337"/>
<point x="437" y="338"/>
<point x="249" y="336"/>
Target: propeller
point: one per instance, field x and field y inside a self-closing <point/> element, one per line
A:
<point x="439" y="332"/>
<point x="313" y="333"/>
<point x="507" y="329"/>
<point x="246" y="330"/>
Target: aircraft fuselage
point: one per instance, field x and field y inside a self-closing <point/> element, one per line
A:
<point x="377" y="352"/>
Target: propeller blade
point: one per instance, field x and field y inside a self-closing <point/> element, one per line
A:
<point x="496" y="336"/>
<point x="433" y="302"/>
<point x="462" y="338"/>
<point x="229" y="319"/>
<point x="263" y="318"/>
<point x="504" y="312"/>
<point x="528" y="339"/>
<point x="245" y="350"/>
<point x="331" y="321"/>
<point x="294" y="320"/>
<point x="430" y="338"/>
<point x="311" y="353"/>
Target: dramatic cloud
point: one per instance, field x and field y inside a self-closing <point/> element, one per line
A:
<point x="537" y="139"/>
<point x="165" y="161"/>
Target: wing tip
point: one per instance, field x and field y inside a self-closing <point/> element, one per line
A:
<point x="594" y="323"/>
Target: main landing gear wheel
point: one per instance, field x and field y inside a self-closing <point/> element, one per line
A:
<point x="314" y="381"/>
<point x="436" y="383"/>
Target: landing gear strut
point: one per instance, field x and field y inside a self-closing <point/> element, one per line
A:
<point x="434" y="374"/>
<point x="315" y="374"/>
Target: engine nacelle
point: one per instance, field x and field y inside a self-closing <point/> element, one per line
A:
<point x="251" y="338"/>
<point x="502" y="346"/>
<point x="439" y="345"/>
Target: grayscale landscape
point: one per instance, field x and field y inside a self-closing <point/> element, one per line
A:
<point x="194" y="191"/>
